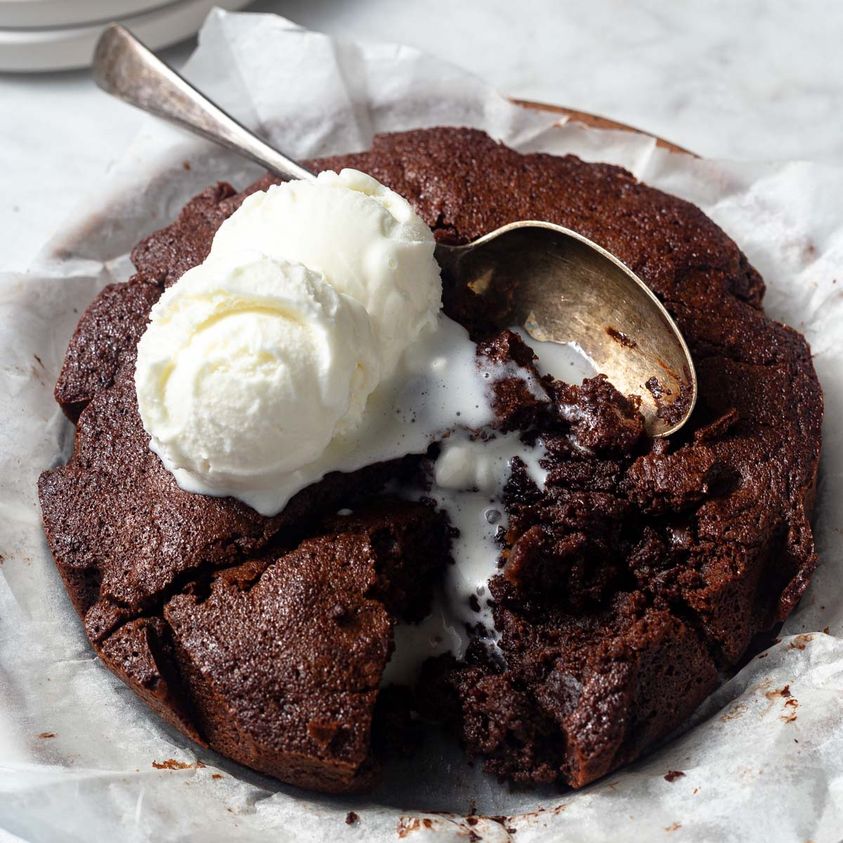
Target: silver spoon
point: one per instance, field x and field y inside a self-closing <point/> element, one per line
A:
<point x="555" y="283"/>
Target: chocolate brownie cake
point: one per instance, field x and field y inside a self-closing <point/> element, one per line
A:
<point x="634" y="579"/>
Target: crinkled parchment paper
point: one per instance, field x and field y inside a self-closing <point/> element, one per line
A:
<point x="82" y="759"/>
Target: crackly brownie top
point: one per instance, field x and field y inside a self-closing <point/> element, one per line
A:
<point x="639" y="570"/>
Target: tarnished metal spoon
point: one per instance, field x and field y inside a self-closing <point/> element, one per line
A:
<point x="555" y="283"/>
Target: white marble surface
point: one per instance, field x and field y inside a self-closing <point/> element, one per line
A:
<point x="759" y="79"/>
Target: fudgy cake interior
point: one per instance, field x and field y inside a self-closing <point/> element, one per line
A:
<point x="641" y="570"/>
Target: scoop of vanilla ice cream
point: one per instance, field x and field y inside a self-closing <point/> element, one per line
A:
<point x="365" y="239"/>
<point x="251" y="365"/>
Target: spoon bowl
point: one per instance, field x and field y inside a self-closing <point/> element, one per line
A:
<point x="561" y="287"/>
<point x="555" y="283"/>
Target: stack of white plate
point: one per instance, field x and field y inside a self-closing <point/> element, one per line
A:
<point x="60" y="34"/>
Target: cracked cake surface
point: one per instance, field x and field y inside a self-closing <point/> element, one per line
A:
<point x="639" y="574"/>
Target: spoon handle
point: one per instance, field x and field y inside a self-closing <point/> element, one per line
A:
<point x="124" y="67"/>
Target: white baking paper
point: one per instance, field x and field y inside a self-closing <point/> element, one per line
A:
<point x="82" y="759"/>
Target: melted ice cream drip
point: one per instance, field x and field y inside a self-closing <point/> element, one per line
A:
<point x="564" y="361"/>
<point x="469" y="478"/>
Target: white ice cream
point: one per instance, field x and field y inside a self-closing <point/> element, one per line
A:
<point x="255" y="372"/>
<point x="250" y="367"/>
<point x="365" y="239"/>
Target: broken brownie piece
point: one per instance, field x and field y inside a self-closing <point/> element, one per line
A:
<point x="580" y="694"/>
<point x="283" y="666"/>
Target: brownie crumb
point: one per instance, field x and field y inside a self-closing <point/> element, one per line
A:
<point x="783" y="693"/>
<point x="171" y="764"/>
<point x="621" y="338"/>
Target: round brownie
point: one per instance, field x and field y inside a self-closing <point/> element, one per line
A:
<point x="637" y="577"/>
